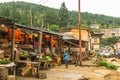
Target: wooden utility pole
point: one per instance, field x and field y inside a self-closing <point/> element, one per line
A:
<point x="79" y="27"/>
<point x="13" y="42"/>
<point x="13" y="35"/>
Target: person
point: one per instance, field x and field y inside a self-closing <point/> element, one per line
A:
<point x="30" y="41"/>
<point x="66" y="58"/>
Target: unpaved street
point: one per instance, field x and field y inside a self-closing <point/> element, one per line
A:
<point x="76" y="73"/>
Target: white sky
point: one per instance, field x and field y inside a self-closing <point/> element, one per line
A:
<point x="106" y="7"/>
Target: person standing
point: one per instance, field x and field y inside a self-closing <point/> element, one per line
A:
<point x="66" y="58"/>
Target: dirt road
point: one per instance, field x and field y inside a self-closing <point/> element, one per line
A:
<point x="76" y="73"/>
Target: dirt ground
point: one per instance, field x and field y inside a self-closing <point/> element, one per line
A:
<point x="88" y="71"/>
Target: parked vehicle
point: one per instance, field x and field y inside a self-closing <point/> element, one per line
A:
<point x="107" y="53"/>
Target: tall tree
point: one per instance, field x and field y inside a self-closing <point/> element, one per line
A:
<point x="63" y="16"/>
<point x="5" y="11"/>
<point x="50" y="17"/>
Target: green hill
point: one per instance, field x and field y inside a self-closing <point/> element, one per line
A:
<point x="33" y="14"/>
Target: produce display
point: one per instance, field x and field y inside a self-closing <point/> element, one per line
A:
<point x="25" y="54"/>
<point x="4" y="61"/>
<point x="47" y="58"/>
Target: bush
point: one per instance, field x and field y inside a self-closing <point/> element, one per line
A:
<point x="102" y="63"/>
<point x="108" y="65"/>
<point x="112" y="67"/>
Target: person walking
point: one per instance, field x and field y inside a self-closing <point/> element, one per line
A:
<point x="66" y="58"/>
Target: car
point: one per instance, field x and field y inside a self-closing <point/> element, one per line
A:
<point x="107" y="54"/>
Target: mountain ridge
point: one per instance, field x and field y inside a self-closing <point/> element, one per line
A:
<point x="24" y="12"/>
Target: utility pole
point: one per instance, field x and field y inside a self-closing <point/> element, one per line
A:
<point x="79" y="27"/>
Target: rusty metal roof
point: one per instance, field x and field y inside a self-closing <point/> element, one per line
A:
<point x="36" y="30"/>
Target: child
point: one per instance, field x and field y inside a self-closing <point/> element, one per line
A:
<point x="66" y="58"/>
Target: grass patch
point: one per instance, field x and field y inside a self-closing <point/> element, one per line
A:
<point x="112" y="66"/>
<point x="102" y="63"/>
<point x="108" y="65"/>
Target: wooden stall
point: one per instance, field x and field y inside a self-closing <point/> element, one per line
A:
<point x="45" y="46"/>
<point x="7" y="48"/>
<point x="51" y="46"/>
<point x="26" y="53"/>
<point x="30" y="48"/>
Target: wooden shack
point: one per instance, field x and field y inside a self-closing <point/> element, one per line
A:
<point x="73" y="41"/>
<point x="74" y="33"/>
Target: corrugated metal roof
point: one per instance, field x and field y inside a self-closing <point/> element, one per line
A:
<point x="36" y="30"/>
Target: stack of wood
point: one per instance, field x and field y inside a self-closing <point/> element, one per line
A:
<point x="27" y="70"/>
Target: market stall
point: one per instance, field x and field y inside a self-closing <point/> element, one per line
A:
<point x="7" y="64"/>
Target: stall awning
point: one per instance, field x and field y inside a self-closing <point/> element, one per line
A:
<point x="27" y="29"/>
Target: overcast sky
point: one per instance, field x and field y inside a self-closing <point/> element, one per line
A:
<point x="106" y="7"/>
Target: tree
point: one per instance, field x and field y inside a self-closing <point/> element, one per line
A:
<point x="50" y="17"/>
<point x="109" y="41"/>
<point x="5" y="11"/>
<point x="63" y="16"/>
<point x="54" y="28"/>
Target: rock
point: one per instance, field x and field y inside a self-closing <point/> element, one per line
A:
<point x="84" y="78"/>
<point x="118" y="69"/>
<point x="42" y="75"/>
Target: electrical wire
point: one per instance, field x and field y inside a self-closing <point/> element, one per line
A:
<point x="43" y="1"/>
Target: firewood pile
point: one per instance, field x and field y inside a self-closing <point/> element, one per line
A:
<point x="27" y="70"/>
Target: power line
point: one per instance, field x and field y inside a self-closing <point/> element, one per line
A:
<point x="43" y="1"/>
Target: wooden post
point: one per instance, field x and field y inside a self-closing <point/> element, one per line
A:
<point x="79" y="26"/>
<point x="70" y="48"/>
<point x="39" y="51"/>
<point x="13" y="42"/>
<point x="51" y="41"/>
<point x="60" y="45"/>
<point x="8" y="34"/>
<point x="33" y="38"/>
<point x="39" y="42"/>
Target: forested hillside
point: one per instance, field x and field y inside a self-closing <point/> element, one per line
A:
<point x="34" y="15"/>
